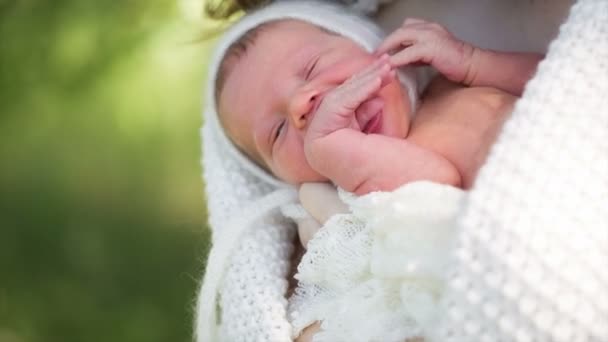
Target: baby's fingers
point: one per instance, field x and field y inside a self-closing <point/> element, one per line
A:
<point x="354" y="92"/>
<point x="379" y="68"/>
<point x="400" y="38"/>
<point x="410" y="21"/>
<point x="413" y="54"/>
<point x="374" y="68"/>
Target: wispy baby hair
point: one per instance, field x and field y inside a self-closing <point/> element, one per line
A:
<point x="224" y="9"/>
<point x="235" y="52"/>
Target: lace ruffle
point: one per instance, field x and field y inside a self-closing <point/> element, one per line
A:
<point x="387" y="256"/>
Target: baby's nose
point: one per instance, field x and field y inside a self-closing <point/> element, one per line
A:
<point x="301" y="108"/>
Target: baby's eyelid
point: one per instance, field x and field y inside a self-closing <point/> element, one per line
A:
<point x="278" y="131"/>
<point x="311" y="67"/>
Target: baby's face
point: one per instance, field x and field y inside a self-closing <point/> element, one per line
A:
<point x="269" y="95"/>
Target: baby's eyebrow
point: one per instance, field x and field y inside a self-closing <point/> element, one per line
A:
<point x="303" y="57"/>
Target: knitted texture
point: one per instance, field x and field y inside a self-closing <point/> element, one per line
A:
<point x="242" y="212"/>
<point x="532" y="258"/>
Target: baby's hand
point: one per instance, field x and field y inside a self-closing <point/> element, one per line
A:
<point x="347" y="105"/>
<point x="419" y="41"/>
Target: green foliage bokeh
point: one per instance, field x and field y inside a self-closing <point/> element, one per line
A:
<point x="102" y="219"/>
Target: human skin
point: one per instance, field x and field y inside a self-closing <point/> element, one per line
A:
<point x="455" y="124"/>
<point x="271" y="92"/>
<point x="443" y="145"/>
<point x="452" y="119"/>
<point x="360" y="159"/>
<point x="452" y="116"/>
<point x="268" y="109"/>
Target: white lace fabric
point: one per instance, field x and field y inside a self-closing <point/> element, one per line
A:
<point x="377" y="273"/>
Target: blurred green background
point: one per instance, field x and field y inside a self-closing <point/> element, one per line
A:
<point x="102" y="217"/>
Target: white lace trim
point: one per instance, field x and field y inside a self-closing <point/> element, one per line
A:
<point x="387" y="256"/>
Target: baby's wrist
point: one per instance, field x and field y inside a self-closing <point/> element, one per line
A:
<point x="471" y="65"/>
<point x="313" y="151"/>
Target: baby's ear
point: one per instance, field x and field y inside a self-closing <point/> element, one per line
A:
<point x="321" y="201"/>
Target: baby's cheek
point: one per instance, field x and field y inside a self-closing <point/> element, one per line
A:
<point x="291" y="165"/>
<point x="338" y="72"/>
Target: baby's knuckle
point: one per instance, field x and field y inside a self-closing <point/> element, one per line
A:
<point x="401" y="31"/>
<point x="436" y="26"/>
<point x="331" y="98"/>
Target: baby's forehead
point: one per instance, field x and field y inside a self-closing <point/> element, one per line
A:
<point x="293" y="24"/>
<point x="274" y="32"/>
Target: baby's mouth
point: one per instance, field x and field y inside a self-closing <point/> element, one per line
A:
<point x="369" y="115"/>
<point x="374" y="124"/>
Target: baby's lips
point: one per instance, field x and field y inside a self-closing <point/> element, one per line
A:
<point x="368" y="110"/>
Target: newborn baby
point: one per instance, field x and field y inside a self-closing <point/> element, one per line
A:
<point x="309" y="105"/>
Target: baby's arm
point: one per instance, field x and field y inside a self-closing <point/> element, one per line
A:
<point x="361" y="163"/>
<point x="419" y="41"/>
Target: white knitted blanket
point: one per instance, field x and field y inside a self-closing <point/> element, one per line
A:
<point x="531" y="261"/>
